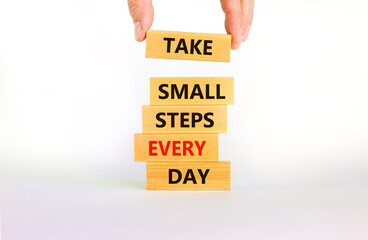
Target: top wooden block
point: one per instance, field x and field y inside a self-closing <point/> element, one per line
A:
<point x="188" y="46"/>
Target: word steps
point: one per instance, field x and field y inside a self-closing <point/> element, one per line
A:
<point x="184" y="119"/>
<point x="181" y="125"/>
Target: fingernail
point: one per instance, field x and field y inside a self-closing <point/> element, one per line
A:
<point x="237" y="45"/>
<point x="245" y="36"/>
<point x="137" y="30"/>
<point x="238" y="40"/>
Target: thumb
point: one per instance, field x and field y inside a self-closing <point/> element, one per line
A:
<point x="142" y="15"/>
<point x="232" y="12"/>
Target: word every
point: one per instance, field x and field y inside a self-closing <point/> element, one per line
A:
<point x="176" y="147"/>
<point x="189" y="176"/>
<point x="195" y="92"/>
<point x="186" y="119"/>
<point x="181" y="45"/>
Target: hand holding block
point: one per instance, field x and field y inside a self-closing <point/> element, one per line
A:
<point x="188" y="176"/>
<point x="171" y="147"/>
<point x="189" y="46"/>
<point x="192" y="90"/>
<point x="184" y="119"/>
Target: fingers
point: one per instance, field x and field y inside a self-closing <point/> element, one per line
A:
<point x="247" y="17"/>
<point x="238" y="19"/>
<point x="233" y="15"/>
<point x="142" y="15"/>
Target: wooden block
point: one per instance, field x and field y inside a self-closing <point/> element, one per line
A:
<point x="175" y="147"/>
<point x="189" y="46"/>
<point x="192" y="90"/>
<point x="188" y="176"/>
<point x="184" y="119"/>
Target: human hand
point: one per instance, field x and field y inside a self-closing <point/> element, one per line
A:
<point x="238" y="18"/>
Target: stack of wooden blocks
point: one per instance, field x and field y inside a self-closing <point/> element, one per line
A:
<point x="179" y="142"/>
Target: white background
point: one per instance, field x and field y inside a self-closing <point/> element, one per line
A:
<point x="72" y="83"/>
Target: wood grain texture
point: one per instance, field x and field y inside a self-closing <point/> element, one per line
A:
<point x="211" y="47"/>
<point x="218" y="177"/>
<point x="175" y="147"/>
<point x="217" y="114"/>
<point x="191" y="90"/>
